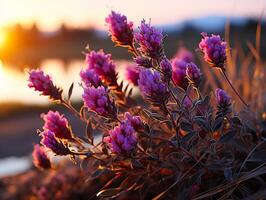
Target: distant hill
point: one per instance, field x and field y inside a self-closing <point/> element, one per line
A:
<point x="30" y="46"/>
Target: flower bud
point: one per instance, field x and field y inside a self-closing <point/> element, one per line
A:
<point x="122" y="140"/>
<point x="90" y="78"/>
<point x="120" y="30"/>
<point x="214" y="50"/>
<point x="179" y="73"/>
<point x="222" y="98"/>
<point x="43" y="83"/>
<point x="150" y="40"/>
<point x="57" y="124"/>
<point x="134" y="121"/>
<point x="51" y="142"/>
<point x="97" y="99"/>
<point x="103" y="65"/>
<point x="193" y="74"/>
<point x="152" y="87"/>
<point x="40" y="158"/>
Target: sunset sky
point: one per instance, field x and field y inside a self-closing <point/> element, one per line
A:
<point x="49" y="14"/>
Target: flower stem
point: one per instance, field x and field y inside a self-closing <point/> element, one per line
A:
<point x="198" y="93"/>
<point x="174" y="97"/>
<point x="133" y="50"/>
<point x="73" y="110"/>
<point x="172" y="120"/>
<point x="227" y="79"/>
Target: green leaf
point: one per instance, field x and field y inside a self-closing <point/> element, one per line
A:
<point x="186" y="126"/>
<point x="89" y="131"/>
<point x="206" y="100"/>
<point x="228" y="137"/>
<point x="201" y="121"/>
<point x="125" y="90"/>
<point x="70" y="90"/>
<point x="130" y="92"/>
<point x="188" y="136"/>
<point x="259" y="156"/>
<point x="136" y="164"/>
<point x="236" y="120"/>
<point x="218" y="123"/>
<point x="228" y="174"/>
<point x="129" y="182"/>
<point x="109" y="193"/>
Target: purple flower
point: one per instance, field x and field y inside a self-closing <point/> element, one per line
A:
<point x="122" y="140"/>
<point x="103" y="65"/>
<point x="143" y="62"/>
<point x="90" y="78"/>
<point x="179" y="73"/>
<point x="222" y="98"/>
<point x="40" y="158"/>
<point x="150" y="40"/>
<point x="166" y="68"/>
<point x="132" y="74"/>
<point x="97" y="99"/>
<point x="44" y="84"/>
<point x="193" y="74"/>
<point x="120" y="30"/>
<point x="184" y="55"/>
<point x="214" y="50"/>
<point x="134" y="121"/>
<point x="152" y="87"/>
<point x="57" y="124"/>
<point x="51" y="142"/>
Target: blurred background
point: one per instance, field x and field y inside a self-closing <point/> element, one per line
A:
<point x="53" y="35"/>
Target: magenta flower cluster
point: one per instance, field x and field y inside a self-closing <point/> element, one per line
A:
<point x="103" y="65"/>
<point x="57" y="124"/>
<point x="150" y="40"/>
<point x="40" y="158"/>
<point x="214" y="50"/>
<point x="43" y="83"/>
<point x="50" y="141"/>
<point x="179" y="73"/>
<point x="152" y="87"/>
<point x="193" y="74"/>
<point x="120" y="29"/>
<point x="97" y="100"/>
<point x="222" y="98"/>
<point x="122" y="140"/>
<point x="132" y="74"/>
<point x="134" y="121"/>
<point x="90" y="78"/>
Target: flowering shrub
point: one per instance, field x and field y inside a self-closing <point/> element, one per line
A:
<point x="179" y="144"/>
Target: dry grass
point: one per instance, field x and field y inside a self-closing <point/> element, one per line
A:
<point x="247" y="71"/>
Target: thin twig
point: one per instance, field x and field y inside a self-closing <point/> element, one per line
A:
<point x="73" y="110"/>
<point x="248" y="156"/>
<point x="227" y="79"/>
<point x="180" y="179"/>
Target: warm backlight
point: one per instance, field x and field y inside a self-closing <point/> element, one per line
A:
<point x="3" y="38"/>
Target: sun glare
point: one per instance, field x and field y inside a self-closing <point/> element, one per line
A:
<point x="3" y="38"/>
<point x="1" y="71"/>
